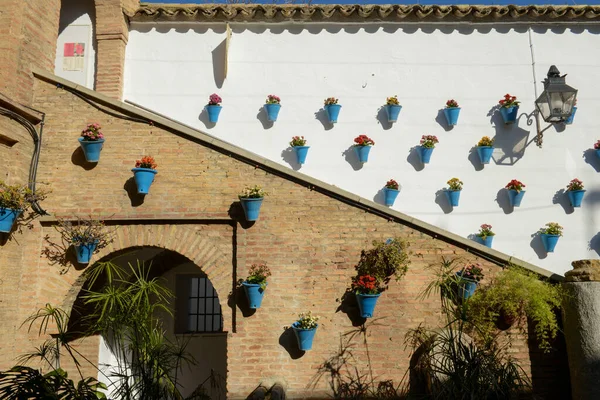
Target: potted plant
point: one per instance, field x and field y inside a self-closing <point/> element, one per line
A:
<point x="362" y="147"/>
<point x="455" y="186"/>
<point x="509" y="108"/>
<point x="375" y="269"/>
<point x="251" y="199"/>
<point x="550" y="235"/>
<point x="367" y="290"/>
<point x="14" y="201"/>
<point x="304" y="329"/>
<point x="515" y="294"/>
<point x="468" y="278"/>
<point x="298" y="143"/>
<point x="515" y="192"/>
<point x="256" y="283"/>
<point x="143" y="173"/>
<point x="569" y="120"/>
<point x="85" y="235"/>
<point x="390" y="191"/>
<point x="575" y="192"/>
<point x="451" y="112"/>
<point x="332" y="109"/>
<point x="272" y="107"/>
<point x="485" y="235"/>
<point x="426" y="147"/>
<point x="91" y="142"/>
<point x="597" y="148"/>
<point x="392" y="108"/>
<point x="485" y="149"/>
<point x="213" y="108"/>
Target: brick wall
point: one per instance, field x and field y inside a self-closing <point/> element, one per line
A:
<point x="310" y="241"/>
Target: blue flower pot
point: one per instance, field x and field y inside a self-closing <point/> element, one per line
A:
<point x="272" y="111"/>
<point x="393" y="111"/>
<point x="254" y="293"/>
<point x="598" y="153"/>
<point x="485" y="153"/>
<point x="453" y="197"/>
<point x="143" y="179"/>
<point x="301" y="152"/>
<point x="487" y="241"/>
<point x="305" y="336"/>
<point x="362" y="152"/>
<point x="8" y="216"/>
<point x="390" y="196"/>
<point x="509" y="115"/>
<point x="91" y="149"/>
<point x="85" y="251"/>
<point x="515" y="197"/>
<point x="575" y="197"/>
<point x="366" y="304"/>
<point x="549" y="242"/>
<point x="452" y="115"/>
<point x="569" y="120"/>
<point x="213" y="113"/>
<point x="466" y="287"/>
<point x="251" y="207"/>
<point x="332" y="111"/>
<point x="425" y="154"/>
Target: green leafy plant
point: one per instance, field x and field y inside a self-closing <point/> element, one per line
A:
<point x="92" y="132"/>
<point x="258" y="274"/>
<point x="512" y="295"/>
<point x="471" y="271"/>
<point x="485" y="230"/>
<point x="515" y="185"/>
<point x="363" y="140"/>
<point x="307" y="320"/>
<point x="575" y="184"/>
<point x="298" y="141"/>
<point x="146" y="162"/>
<point x="392" y="101"/>
<point x="552" y="228"/>
<point x="429" y="141"/>
<point x="455" y="184"/>
<point x="366" y="284"/>
<point x="330" y="101"/>
<point x="485" y="141"/>
<point x="84" y="231"/>
<point x="272" y="99"/>
<point x="509" y="101"/>
<point x="384" y="261"/>
<point x="19" y="197"/>
<point x="452" y="104"/>
<point x="392" y="184"/>
<point x="252" y="192"/>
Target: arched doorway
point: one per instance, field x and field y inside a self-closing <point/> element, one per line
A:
<point x="193" y="317"/>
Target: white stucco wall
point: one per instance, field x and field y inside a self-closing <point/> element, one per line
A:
<point x="173" y="69"/>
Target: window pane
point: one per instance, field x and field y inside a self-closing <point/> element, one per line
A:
<point x="192" y="320"/>
<point x="201" y="323"/>
<point x="217" y="307"/>
<point x="202" y="283"/>
<point x="201" y="307"/>
<point x="209" y="306"/>
<point x="194" y="287"/>
<point x="193" y="307"/>
<point x="210" y="290"/>
<point x="217" y="323"/>
<point x="208" y="327"/>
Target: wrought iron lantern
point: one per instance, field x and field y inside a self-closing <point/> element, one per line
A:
<point x="556" y="102"/>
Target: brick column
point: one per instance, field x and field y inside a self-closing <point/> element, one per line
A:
<point x="112" y="33"/>
<point x="581" y="316"/>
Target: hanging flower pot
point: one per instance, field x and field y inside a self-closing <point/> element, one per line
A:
<point x="569" y="120"/>
<point x="550" y="236"/>
<point x="366" y="304"/>
<point x="509" y="108"/>
<point x="255" y="284"/>
<point x="452" y="111"/>
<point x="575" y="192"/>
<point x="390" y="192"/>
<point x="392" y="108"/>
<point x="485" y="149"/>
<point x="362" y="147"/>
<point x="143" y="173"/>
<point x="453" y="192"/>
<point x="213" y="108"/>
<point x="426" y="147"/>
<point x="84" y="251"/>
<point x="91" y="142"/>
<point x="298" y="143"/>
<point x="251" y="199"/>
<point x="305" y="329"/>
<point x="485" y="235"/>
<point x="467" y="280"/>
<point x="332" y="109"/>
<point x="367" y="290"/>
<point x="272" y="107"/>
<point x="8" y="216"/>
<point x="515" y="192"/>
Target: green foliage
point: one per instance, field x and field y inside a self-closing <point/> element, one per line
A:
<point x="385" y="260"/>
<point x="19" y="197"/>
<point x="517" y="293"/>
<point x="258" y="274"/>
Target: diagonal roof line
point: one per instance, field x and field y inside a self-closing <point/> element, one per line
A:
<point x="142" y="115"/>
<point x="362" y="13"/>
